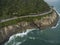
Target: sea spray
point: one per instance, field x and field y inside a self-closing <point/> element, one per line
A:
<point x="20" y="35"/>
<point x="58" y="19"/>
<point x="55" y="26"/>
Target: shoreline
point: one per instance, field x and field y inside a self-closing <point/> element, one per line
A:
<point x="10" y="29"/>
<point x="25" y="25"/>
<point x="8" y="38"/>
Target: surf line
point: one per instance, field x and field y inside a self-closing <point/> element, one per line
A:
<point x="59" y="17"/>
<point x="22" y="34"/>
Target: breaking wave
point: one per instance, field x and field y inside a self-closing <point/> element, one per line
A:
<point x="58" y="20"/>
<point x="21" y="35"/>
<point x="55" y="26"/>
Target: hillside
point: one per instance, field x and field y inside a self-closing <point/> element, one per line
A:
<point x="19" y="15"/>
<point x="11" y="8"/>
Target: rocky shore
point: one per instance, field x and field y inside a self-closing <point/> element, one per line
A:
<point x="44" y="22"/>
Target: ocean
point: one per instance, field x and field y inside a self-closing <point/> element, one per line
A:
<point x="49" y="36"/>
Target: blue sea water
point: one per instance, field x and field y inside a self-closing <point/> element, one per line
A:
<point x="49" y="36"/>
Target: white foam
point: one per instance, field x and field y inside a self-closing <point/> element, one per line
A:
<point x="24" y="33"/>
<point x="42" y="31"/>
<point x="55" y="26"/>
<point x="32" y="38"/>
<point x="18" y="43"/>
<point x="19" y="34"/>
<point x="59" y="14"/>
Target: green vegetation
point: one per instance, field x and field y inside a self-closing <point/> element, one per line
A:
<point x="28" y="19"/>
<point x="11" y="8"/>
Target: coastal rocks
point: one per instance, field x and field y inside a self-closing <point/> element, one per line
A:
<point x="7" y="31"/>
<point x="47" y="21"/>
<point x="44" y="22"/>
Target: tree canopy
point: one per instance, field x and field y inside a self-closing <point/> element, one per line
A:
<point x="10" y="8"/>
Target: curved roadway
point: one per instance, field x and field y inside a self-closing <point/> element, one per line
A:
<point x="26" y="16"/>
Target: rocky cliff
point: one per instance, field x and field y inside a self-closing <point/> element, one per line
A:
<point x="44" y="22"/>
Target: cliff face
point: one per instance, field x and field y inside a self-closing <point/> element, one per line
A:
<point x="44" y="22"/>
<point x="47" y="21"/>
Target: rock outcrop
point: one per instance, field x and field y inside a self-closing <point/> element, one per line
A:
<point x="47" y="21"/>
<point x="44" y="22"/>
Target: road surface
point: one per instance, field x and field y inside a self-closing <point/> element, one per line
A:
<point x="26" y="16"/>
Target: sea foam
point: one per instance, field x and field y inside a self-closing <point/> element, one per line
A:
<point x="55" y="26"/>
<point x="58" y="20"/>
<point x="19" y="34"/>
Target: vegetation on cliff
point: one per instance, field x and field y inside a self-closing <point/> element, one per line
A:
<point x="11" y="8"/>
<point x="28" y="19"/>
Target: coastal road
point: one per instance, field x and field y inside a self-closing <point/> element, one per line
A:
<point x="26" y="16"/>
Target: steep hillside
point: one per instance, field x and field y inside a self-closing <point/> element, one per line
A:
<point x="11" y="8"/>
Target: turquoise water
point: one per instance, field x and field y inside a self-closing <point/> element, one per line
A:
<point x="49" y="36"/>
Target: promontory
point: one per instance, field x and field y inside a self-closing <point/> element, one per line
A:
<point x="19" y="15"/>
